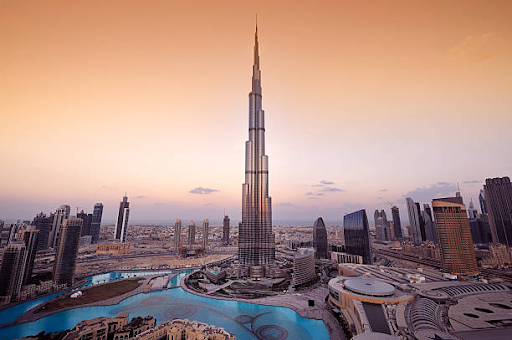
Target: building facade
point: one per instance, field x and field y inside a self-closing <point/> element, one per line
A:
<point x="225" y="230"/>
<point x="43" y="223"/>
<point x="397" y="224"/>
<point x="65" y="258"/>
<point x="320" y="239"/>
<point x="498" y="197"/>
<point x="122" y="220"/>
<point x="191" y="232"/>
<point x="87" y="218"/>
<point x="30" y="238"/>
<point x="414" y="221"/>
<point x="256" y="244"/>
<point x="454" y="235"/>
<point x="97" y="213"/>
<point x="177" y="235"/>
<point x="206" y="230"/>
<point x="357" y="235"/>
<point x="304" y="266"/>
<point x="58" y="218"/>
<point x="381" y="226"/>
<point x="11" y="272"/>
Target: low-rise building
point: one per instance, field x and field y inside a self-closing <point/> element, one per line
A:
<point x="178" y="329"/>
<point x="115" y="248"/>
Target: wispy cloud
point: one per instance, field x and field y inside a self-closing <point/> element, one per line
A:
<point x="202" y="191"/>
<point x="106" y="187"/>
<point x="476" y="48"/>
<point x="314" y="194"/>
<point x="140" y="197"/>
<point x="332" y="189"/>
<point x="326" y="182"/>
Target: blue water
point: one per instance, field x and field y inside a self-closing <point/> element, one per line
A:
<point x="247" y="321"/>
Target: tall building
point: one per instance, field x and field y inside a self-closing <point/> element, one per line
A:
<point x="480" y="229"/>
<point x="256" y="245"/>
<point x="430" y="226"/>
<point x="122" y="220"/>
<point x="414" y="221"/>
<point x="191" y="232"/>
<point x="397" y="225"/>
<point x="65" y="258"/>
<point x="206" y="227"/>
<point x="304" y="266"/>
<point x="320" y="239"/>
<point x="12" y="270"/>
<point x="483" y="202"/>
<point x="225" y="230"/>
<point x="96" y="222"/>
<point x="30" y="237"/>
<point x="454" y="234"/>
<point x="177" y="235"/>
<point x="472" y="212"/>
<point x="381" y="226"/>
<point x="5" y="231"/>
<point x="87" y="218"/>
<point x="357" y="235"/>
<point x="498" y="196"/>
<point x="43" y="223"/>
<point x="58" y="218"/>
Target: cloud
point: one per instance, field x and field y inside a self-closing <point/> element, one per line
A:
<point x="383" y="190"/>
<point x="477" y="48"/>
<point x="202" y="191"/>
<point x="327" y="182"/>
<point x="472" y="182"/>
<point x="314" y="194"/>
<point x="106" y="187"/>
<point x="426" y="194"/>
<point x="317" y="185"/>
<point x="331" y="189"/>
<point x="140" y="197"/>
<point x="322" y="184"/>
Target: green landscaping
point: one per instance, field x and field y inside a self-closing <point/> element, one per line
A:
<point x="92" y="295"/>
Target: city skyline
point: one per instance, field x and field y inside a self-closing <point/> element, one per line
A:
<point x="351" y="74"/>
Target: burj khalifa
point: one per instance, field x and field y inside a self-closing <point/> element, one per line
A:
<point x="256" y="244"/>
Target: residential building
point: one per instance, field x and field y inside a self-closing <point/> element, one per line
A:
<point x="65" y="258"/>
<point x="12" y="270"/>
<point x="225" y="230"/>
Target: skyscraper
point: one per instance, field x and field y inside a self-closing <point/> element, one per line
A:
<point x="414" y="221"/>
<point x="225" y="230"/>
<point x="43" y="223"/>
<point x="60" y="215"/>
<point x="256" y="246"/>
<point x="87" y="218"/>
<point x="357" y="235"/>
<point x="397" y="225"/>
<point x="191" y="232"/>
<point x="382" y="226"/>
<point x="498" y="196"/>
<point x="472" y="212"/>
<point x="320" y="239"/>
<point x="206" y="227"/>
<point x="430" y="226"/>
<point x="122" y="219"/>
<point x="5" y="231"/>
<point x="177" y="235"/>
<point x="454" y="233"/>
<point x="12" y="270"/>
<point x="96" y="222"/>
<point x="483" y="203"/>
<point x="30" y="237"/>
<point x="65" y="258"/>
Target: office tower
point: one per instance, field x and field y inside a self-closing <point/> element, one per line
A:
<point x="397" y="225"/>
<point x="177" y="235"/>
<point x="87" y="218"/>
<point x="96" y="222"/>
<point x="256" y="246"/>
<point x="225" y="230"/>
<point x="30" y="237"/>
<point x="480" y="229"/>
<point x="381" y="226"/>
<point x="60" y="215"/>
<point x="414" y="221"/>
<point x="320" y="239"/>
<point x="472" y="212"/>
<point x="206" y="227"/>
<point x="422" y="222"/>
<point x="191" y="232"/>
<point x="122" y="220"/>
<point x="5" y="231"/>
<point x="430" y="226"/>
<point x="454" y="234"/>
<point x="357" y="235"/>
<point x="12" y="270"/>
<point x="483" y="202"/>
<point x="43" y="223"/>
<point x="498" y="196"/>
<point x="65" y="258"/>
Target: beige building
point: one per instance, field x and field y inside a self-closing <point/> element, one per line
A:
<point x="185" y="330"/>
<point x="113" y="248"/>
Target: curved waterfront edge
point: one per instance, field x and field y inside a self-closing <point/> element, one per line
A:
<point x="297" y="303"/>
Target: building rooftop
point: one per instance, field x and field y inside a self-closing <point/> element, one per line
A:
<point x="369" y="286"/>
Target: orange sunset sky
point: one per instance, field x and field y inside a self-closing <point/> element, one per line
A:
<point x="378" y="99"/>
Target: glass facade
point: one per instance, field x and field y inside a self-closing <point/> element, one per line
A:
<point x="320" y="239"/>
<point x="397" y="225"/>
<point x="498" y="196"/>
<point x="357" y="235"/>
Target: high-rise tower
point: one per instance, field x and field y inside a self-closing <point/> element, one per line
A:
<point x="397" y="225"/>
<point x="122" y="220"/>
<point x="177" y="235"/>
<point x="225" y="230"/>
<point x="96" y="222"/>
<point x="498" y="195"/>
<point x="65" y="258"/>
<point x="256" y="246"/>
<point x="320" y="239"/>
